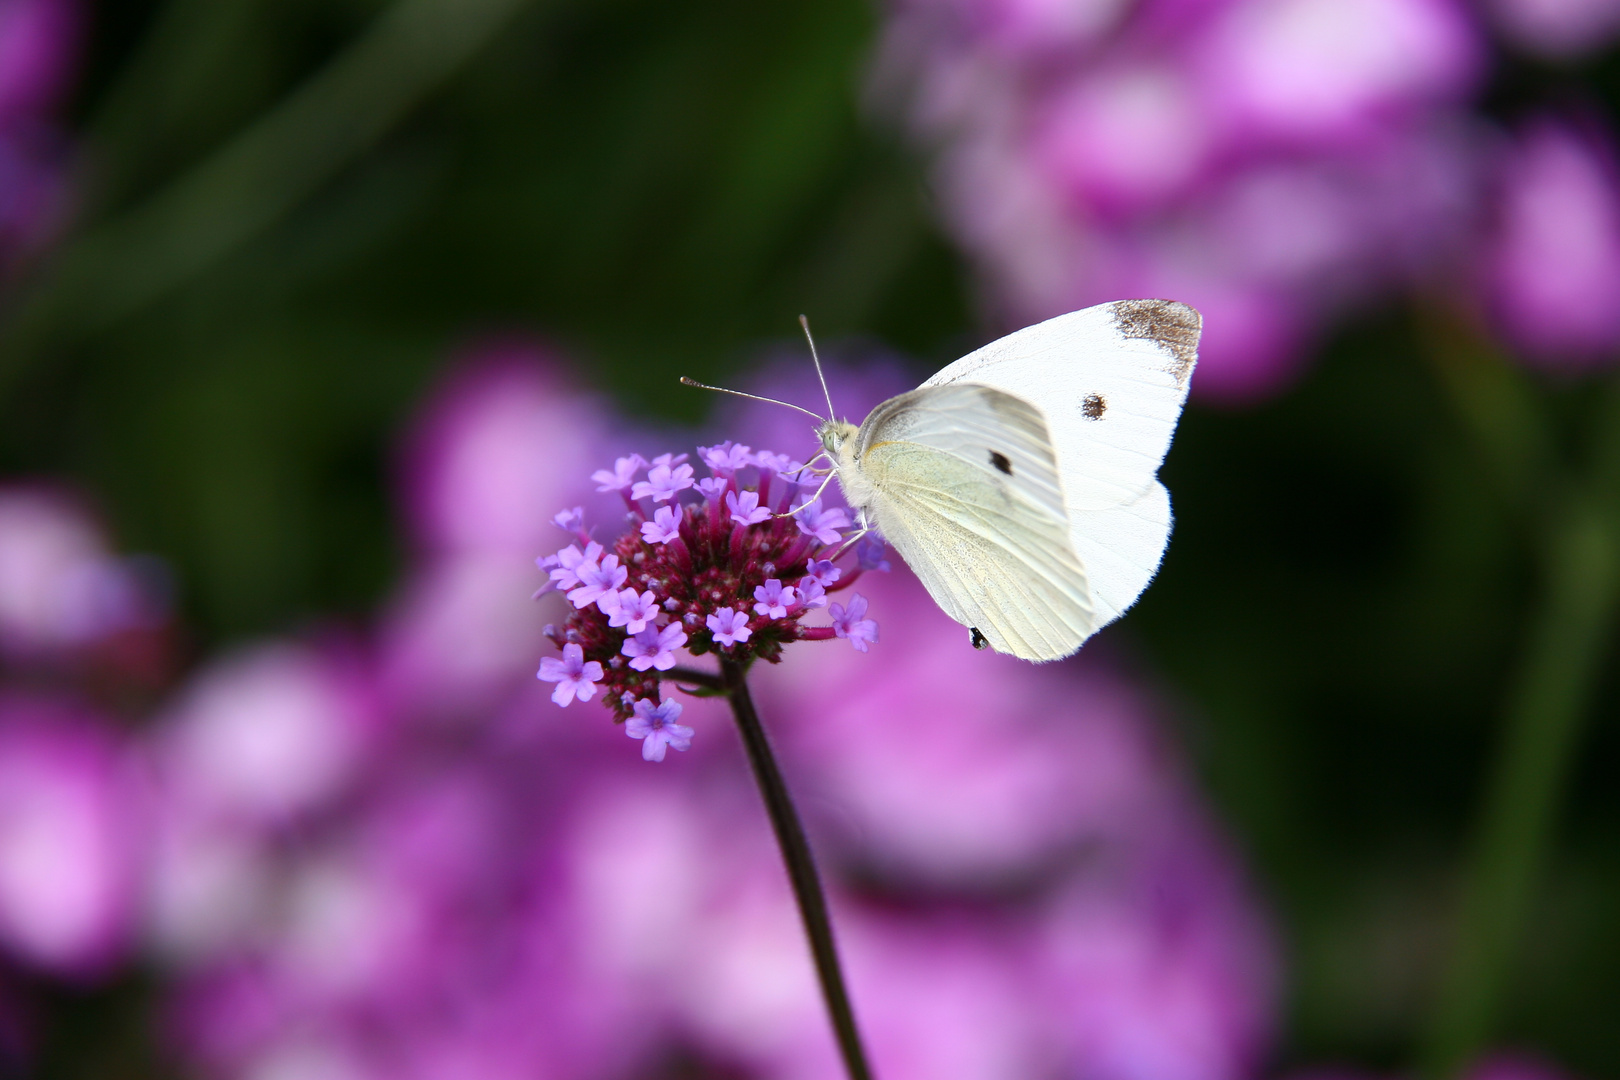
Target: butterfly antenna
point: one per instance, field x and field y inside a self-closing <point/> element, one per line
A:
<point x="752" y="397"/>
<point x="804" y="321"/>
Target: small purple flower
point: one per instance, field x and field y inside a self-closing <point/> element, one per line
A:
<point x="654" y="724"/>
<point x="819" y="523"/>
<point x="595" y="579"/>
<point x="745" y="508"/>
<point x="824" y="572"/>
<point x="570" y="521"/>
<point x="851" y="623"/>
<point x="713" y="487"/>
<point x="663" y="482"/>
<point x="811" y="593"/>
<point x="622" y="476"/>
<point x="573" y="674"/>
<point x="565" y="566"/>
<point x="774" y="600"/>
<point x="727" y="458"/>
<point x="665" y="525"/>
<point x="869" y="554"/>
<point x="633" y="612"/>
<point x="775" y="463"/>
<point x="654" y="647"/>
<point x="669" y="461"/>
<point x="729" y="626"/>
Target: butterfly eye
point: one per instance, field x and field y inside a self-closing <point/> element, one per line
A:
<point x="976" y="639"/>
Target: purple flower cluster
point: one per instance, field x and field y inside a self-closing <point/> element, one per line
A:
<point x="730" y="564"/>
<point x="1548" y="262"/>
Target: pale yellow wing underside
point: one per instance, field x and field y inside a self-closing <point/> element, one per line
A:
<point x="965" y="486"/>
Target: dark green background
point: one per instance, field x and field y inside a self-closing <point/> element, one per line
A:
<point x="660" y="188"/>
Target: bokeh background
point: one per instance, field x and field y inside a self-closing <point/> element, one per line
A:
<point x="313" y="312"/>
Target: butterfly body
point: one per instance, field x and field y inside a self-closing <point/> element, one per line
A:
<point x="1020" y="483"/>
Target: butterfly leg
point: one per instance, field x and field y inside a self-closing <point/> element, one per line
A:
<point x="819" y="490"/>
<point x="852" y="539"/>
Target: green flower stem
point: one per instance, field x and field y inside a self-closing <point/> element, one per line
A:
<point x="1570" y="632"/>
<point x="1569" y="636"/>
<point x="801" y="868"/>
<point x="259" y="175"/>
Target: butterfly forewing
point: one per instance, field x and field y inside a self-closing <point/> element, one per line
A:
<point x="1120" y="548"/>
<point x="965" y="486"/>
<point x="1110" y="380"/>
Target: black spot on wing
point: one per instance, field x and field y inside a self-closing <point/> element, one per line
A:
<point x="976" y="639"/>
<point x="1093" y="407"/>
<point x="1000" y="461"/>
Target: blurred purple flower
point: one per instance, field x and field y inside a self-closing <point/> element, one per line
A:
<point x="498" y="447"/>
<point x="61" y="589"/>
<point x="869" y="554"/>
<point x="38" y="54"/>
<point x="267" y="734"/>
<point x="71" y="838"/>
<point x="1557" y="29"/>
<point x="1552" y="264"/>
<point x="38" y="45"/>
<point x="1268" y="161"/>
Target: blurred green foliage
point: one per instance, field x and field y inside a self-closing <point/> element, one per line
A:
<point x="660" y="189"/>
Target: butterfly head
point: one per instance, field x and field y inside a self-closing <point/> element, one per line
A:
<point x="834" y="434"/>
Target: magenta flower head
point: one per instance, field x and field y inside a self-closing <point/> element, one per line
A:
<point x="730" y="565"/>
<point x="62" y="592"/>
<point x="1552" y="264"/>
<point x="1270" y="162"/>
<point x="71" y="838"/>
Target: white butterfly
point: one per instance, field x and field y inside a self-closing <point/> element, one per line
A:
<point x="1020" y="483"/>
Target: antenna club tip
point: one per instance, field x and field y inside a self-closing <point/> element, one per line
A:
<point x="804" y="320"/>
<point x="687" y="380"/>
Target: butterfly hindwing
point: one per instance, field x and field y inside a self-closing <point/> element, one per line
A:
<point x="964" y="484"/>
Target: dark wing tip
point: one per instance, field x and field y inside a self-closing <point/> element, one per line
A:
<point x="1173" y="326"/>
